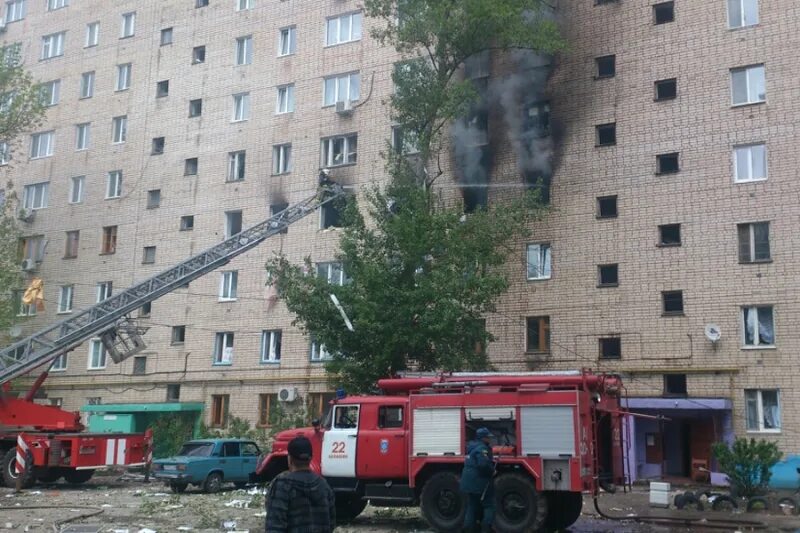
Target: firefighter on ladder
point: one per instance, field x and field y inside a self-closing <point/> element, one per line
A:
<point x="477" y="481"/>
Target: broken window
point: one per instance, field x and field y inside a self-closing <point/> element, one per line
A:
<point x="538" y="334"/>
<point x="198" y="55"/>
<point x="758" y="326"/>
<point x="341" y="150"/>
<point x="538" y="119"/>
<point x="274" y="209"/>
<point x="667" y="163"/>
<point x="754" y="242"/>
<point x="158" y="146"/>
<point x="606" y="134"/>
<point x="672" y="302"/>
<point x="666" y="89"/>
<point x="675" y="385"/>
<point x="763" y="410"/>
<point x="173" y="392"/>
<point x="664" y="12"/>
<point x="162" y="89"/>
<point x="608" y="275"/>
<point x="404" y="141"/>
<point x="750" y="162"/>
<point x="606" y="66"/>
<point x="145" y="310"/>
<point x="611" y="348"/>
<point x="187" y="222"/>
<point x="233" y="223"/>
<point x="539" y="261"/>
<point x="606" y="207"/>
<point x="669" y="235"/>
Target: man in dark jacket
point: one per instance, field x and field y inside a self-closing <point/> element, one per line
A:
<point x="477" y="482"/>
<point x="300" y="501"/>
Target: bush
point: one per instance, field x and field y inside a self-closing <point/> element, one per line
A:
<point x="747" y="464"/>
<point x="170" y="431"/>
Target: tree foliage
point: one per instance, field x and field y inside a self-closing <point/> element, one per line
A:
<point x="747" y="464"/>
<point x="10" y="273"/>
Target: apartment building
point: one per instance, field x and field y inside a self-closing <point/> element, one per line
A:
<point x="669" y="255"/>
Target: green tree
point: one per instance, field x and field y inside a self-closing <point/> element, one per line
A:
<point x="747" y="464"/>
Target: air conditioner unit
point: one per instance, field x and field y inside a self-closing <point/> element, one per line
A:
<point x="287" y="394"/>
<point x="345" y="107"/>
<point x="26" y="214"/>
<point x="28" y="265"/>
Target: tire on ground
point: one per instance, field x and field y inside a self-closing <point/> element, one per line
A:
<point x="76" y="477"/>
<point x="757" y="504"/>
<point x="348" y="507"/>
<point x="442" y="503"/>
<point x="563" y="509"/>
<point x="689" y="501"/>
<point x="789" y="505"/>
<point x="9" y="465"/>
<point x="519" y="508"/>
<point x="213" y="483"/>
<point x="724" y="503"/>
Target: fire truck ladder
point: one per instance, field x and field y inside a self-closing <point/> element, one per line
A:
<point x="108" y="319"/>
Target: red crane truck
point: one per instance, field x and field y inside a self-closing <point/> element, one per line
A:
<point x="557" y="435"/>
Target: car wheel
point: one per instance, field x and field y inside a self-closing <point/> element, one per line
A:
<point x="213" y="483"/>
<point x="177" y="487"/>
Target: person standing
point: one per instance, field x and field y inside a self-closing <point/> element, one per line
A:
<point x="300" y="501"/>
<point x="477" y="481"/>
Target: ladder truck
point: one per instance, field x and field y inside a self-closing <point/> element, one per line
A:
<point x="45" y="443"/>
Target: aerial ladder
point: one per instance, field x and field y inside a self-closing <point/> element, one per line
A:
<point x="48" y="440"/>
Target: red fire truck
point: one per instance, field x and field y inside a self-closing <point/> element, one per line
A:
<point x="557" y="435"/>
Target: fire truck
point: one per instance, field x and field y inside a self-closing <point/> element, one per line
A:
<point x="40" y="442"/>
<point x="556" y="436"/>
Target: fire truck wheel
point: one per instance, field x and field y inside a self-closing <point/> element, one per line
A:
<point x="348" y="507"/>
<point x="76" y="477"/>
<point x="519" y="508"/>
<point x="213" y="483"/>
<point x="441" y="502"/>
<point x="10" y="471"/>
<point x="563" y="509"/>
<point x="49" y="475"/>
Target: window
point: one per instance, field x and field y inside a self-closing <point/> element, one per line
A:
<point x="195" y="107"/>
<point x="104" y="290"/>
<point x="319" y="352"/>
<point x="748" y="85"/>
<point x="123" y="77"/>
<point x="65" y="299"/>
<point x="153" y="198"/>
<point x="190" y="166"/>
<point x="166" y="36"/>
<point x="537" y="338"/>
<point x="223" y="348"/>
<point x="5" y="153"/>
<point x="15" y="10"/>
<point x="606" y="66"/>
<point x="742" y="13"/>
<point x="606" y="134"/>
<point x="53" y="45"/>
<point x="187" y="222"/>
<point x="22" y="308"/>
<point x="343" y="29"/>
<point x="404" y="141"/>
<point x="539" y="262"/>
<point x="82" y="136"/>
<point x="271" y="346"/>
<point x="664" y="12"/>
<point x="667" y="163"/>
<point x="35" y="196"/>
<point x="333" y="273"/>
<point x="94" y="400"/>
<point x="198" y="55"/>
<point x="87" y="84"/>
<point x="274" y="209"/>
<point x="59" y="364"/>
<point x="92" y="34"/>
<point x="749" y="163"/>
<point x="763" y="410"/>
<point x="318" y="403"/>
<point x="33" y="248"/>
<point x="287" y="42"/>
<point x="758" y="326"/>
<point x="42" y="144"/>
<point x="390" y="416"/>
<point x="241" y="107"/>
<point x="51" y="91"/>
<point x="219" y="402"/>
<point x="12" y="54"/>
<point x="227" y="286"/>
<point x="672" y="302"/>
<point x="242" y="5"/>
<point x="236" y="165"/>
<point x="140" y="365"/>
<point x="669" y="235"/>
<point x="162" y="89"/>
<point x="119" y="129"/>
<point x="340" y="88"/>
<point x="72" y="244"/>
<point x="97" y="355"/>
<point x="666" y="89"/>
<point x="128" y="25"/>
<point x="754" y="242"/>
<point x="341" y="150"/>
<point x="76" y="189"/>
<point x="611" y="348"/>
<point x="607" y="207"/>
<point x="158" y="146"/>
<point x="285" y="99"/>
<point x="675" y="385"/>
<point x="109" y="244"/>
<point x="330" y="215"/>
<point x="173" y="392"/>
<point x="200" y="3"/>
<point x="608" y="275"/>
<point x="145" y="310"/>
<point x="114" y="184"/>
<point x="233" y="223"/>
<point x="282" y="159"/>
<point x="56" y="4"/>
<point x="265" y="406"/>
<point x="244" y="50"/>
<point x="178" y="334"/>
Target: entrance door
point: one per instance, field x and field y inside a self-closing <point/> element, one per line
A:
<point x="339" y="443"/>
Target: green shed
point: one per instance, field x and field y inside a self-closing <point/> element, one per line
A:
<point x="137" y="417"/>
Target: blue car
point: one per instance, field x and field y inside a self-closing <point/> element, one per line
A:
<point x="208" y="463"/>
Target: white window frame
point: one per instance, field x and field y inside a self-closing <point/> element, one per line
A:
<point x="405" y="140"/>
<point x="544" y="255"/>
<point x="332" y="269"/>
<point x="42" y="144"/>
<point x="104" y="291"/>
<point x="87" y="85"/>
<point x="15" y="11"/>
<point x="35" y="196"/>
<point x="244" y="5"/>
<point x="53" y="45"/>
<point x="119" y="129"/>
<point x="270" y="345"/>
<point x="749" y="70"/>
<point x="281" y="159"/>
<point x="92" y="35"/>
<point x="113" y="184"/>
<point x="333" y="29"/>
<point x="756" y="337"/>
<point x="287" y="41"/>
<point x="5" y="154"/>
<point x="51" y="92"/>
<point x="128" y="25"/>
<point x="65" y="296"/>
<point x="234" y="166"/>
<point x="228" y="230"/>
<point x="24" y="309"/>
<point x="244" y="50"/>
<point x="241" y="107"/>
<point x="319" y="353"/>
<point x="52" y="5"/>
<point x="59" y="365"/>
<point x="285" y="99"/>
<point x="337" y="93"/>
<point x="97" y="355"/>
<point x="224" y="340"/>
<point x="228" y="286"/>
<point x="743" y="22"/>
<point x="328" y="158"/>
<point x="758" y="396"/>
<point x="83" y="136"/>
<point x="747" y="149"/>
<point x="124" y="74"/>
<point x="76" y="188"/>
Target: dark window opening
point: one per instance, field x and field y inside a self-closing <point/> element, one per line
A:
<point x="173" y="392"/>
<point x="666" y="89"/>
<point x="274" y="209"/>
<point x="200" y="3"/>
<point x="607" y="207"/>
<point x="606" y="66"/>
<point x="538" y="334"/>
<point x="139" y="366"/>
<point x="606" y="134"/>
<point x="608" y="275"/>
<point x="475" y="198"/>
<point x="669" y="235"/>
<point x="195" y="107"/>
<point x="187" y="222"/>
<point x="198" y="55"/>
<point x="149" y="255"/>
<point x="668" y="163"/>
<point x="390" y="417"/>
<point x="664" y="12"/>
<point x="611" y="348"/>
<point x="158" y="145"/>
<point x="162" y="89"/>
<point x="144" y="310"/>
<point x="539" y="182"/>
<point x="754" y="242"/>
<point x="675" y="385"/>
<point x="178" y="334"/>
<point x="233" y="223"/>
<point x="190" y="167"/>
<point x="154" y="199"/>
<point x="673" y="302"/>
<point x="537" y="122"/>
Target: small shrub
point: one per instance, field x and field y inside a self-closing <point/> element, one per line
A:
<point x="170" y="431"/>
<point x="747" y="464"/>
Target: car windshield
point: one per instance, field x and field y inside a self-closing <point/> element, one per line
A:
<point x="197" y="449"/>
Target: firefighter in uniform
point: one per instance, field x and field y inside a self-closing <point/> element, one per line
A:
<point x="477" y="481"/>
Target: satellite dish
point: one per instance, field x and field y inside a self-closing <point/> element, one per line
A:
<point x="14" y="331"/>
<point x="713" y="332"/>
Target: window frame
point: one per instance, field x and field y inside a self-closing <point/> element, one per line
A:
<point x="671" y="294"/>
<point x="148" y="255"/>
<point x="608" y="130"/>
<point x="184" y="223"/>
<point x="661" y="158"/>
<point x="72" y="244"/>
<point x="43" y="144"/>
<point x="220" y="408"/>
<point x="602" y="344"/>
<point x="195" y="108"/>
<point x="60" y="364"/>
<point x="290" y="40"/>
<point x="86" y="89"/>
<point x="105" y="290"/>
<point x="228" y="286"/>
<point x="92" y="37"/>
<point x="128" y="25"/>
<point x="119" y="129"/>
<point x="76" y="184"/>
<point x="52" y="45"/>
<point x="65" y="304"/>
<point x="244" y="51"/>
<point x="113" y="184"/>
<point x="281" y="159"/>
<point x="18" y="11"/>
<point x="237" y="170"/>
<point x="597" y="63"/>
<point x="32" y="191"/>
<point x="178" y="335"/>
<point x="331" y="268"/>
<point x="284" y="99"/>
<point x="241" y="107"/>
<point x="543" y="248"/>
<point x="545" y="345"/>
<point x="167" y="32"/>
<point x="599" y="202"/>
<point x="99" y="357"/>
<point x="338" y="19"/>
<point x="265" y="405"/>
<point x="744" y="23"/>
<point x="51" y="92"/>
<point x="747" y="69"/>
<point x="83" y="135"/>
<point x="759" y="398"/>
<point x="124" y="75"/>
<point x="662" y="83"/>
<point x="318" y="353"/>
<point x="600" y="282"/>
<point x="228" y="229"/>
<point x="756" y="337"/>
<point x="656" y="7"/>
<point x="327" y="153"/>
<point x="748" y="149"/>
<point x="751" y="244"/>
<point x="271" y="353"/>
<point x="337" y="80"/>
<point x="222" y="339"/>
<point x="108" y="244"/>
